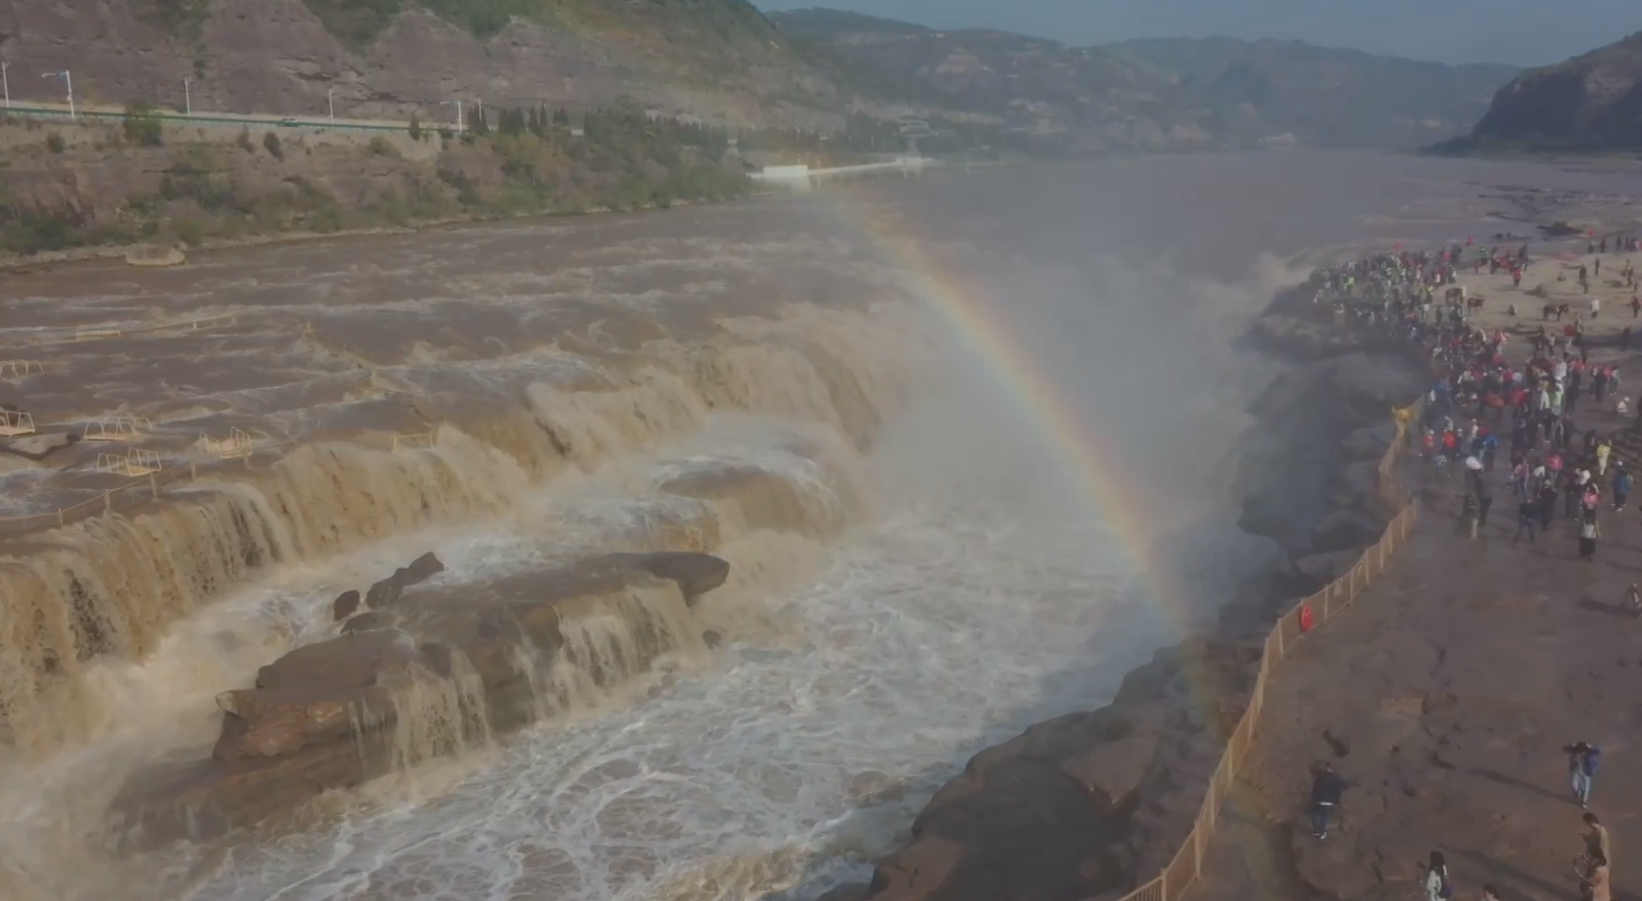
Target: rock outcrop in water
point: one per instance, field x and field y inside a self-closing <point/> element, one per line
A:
<point x="1092" y="803"/>
<point x="434" y="672"/>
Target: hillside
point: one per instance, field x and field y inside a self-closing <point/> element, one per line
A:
<point x="1216" y="92"/>
<point x="612" y="104"/>
<point x="720" y="60"/>
<point x="1590" y="103"/>
<point x="997" y="88"/>
<point x="1325" y="96"/>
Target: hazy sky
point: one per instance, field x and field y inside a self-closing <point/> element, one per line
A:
<point x="1522" y="32"/>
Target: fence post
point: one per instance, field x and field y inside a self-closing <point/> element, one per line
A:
<point x="1163" y="884"/>
<point x="193" y="470"/>
<point x="108" y="502"/>
<point x="154" y="485"/>
<point x="60" y="520"/>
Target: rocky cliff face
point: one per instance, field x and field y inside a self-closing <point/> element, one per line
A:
<point x="1323" y="96"/>
<point x="1591" y="102"/>
<point x="719" y="60"/>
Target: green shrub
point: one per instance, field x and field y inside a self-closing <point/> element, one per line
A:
<point x="142" y="124"/>
<point x="275" y="149"/>
<point x="192" y="232"/>
<point x="32" y="232"/>
<point x="55" y="143"/>
<point x="380" y="146"/>
<point x="244" y="141"/>
<point x="415" y="128"/>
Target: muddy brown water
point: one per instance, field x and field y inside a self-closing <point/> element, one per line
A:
<point x="946" y="576"/>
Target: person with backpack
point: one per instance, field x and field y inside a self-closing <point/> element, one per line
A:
<point x="1582" y="762"/>
<point x="1436" y="879"/>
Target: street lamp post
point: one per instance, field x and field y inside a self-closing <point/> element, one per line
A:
<point x="330" y="102"/>
<point x="187" y="97"/>
<point x="5" y="82"/>
<point x="69" y="81"/>
<point x="458" y="105"/>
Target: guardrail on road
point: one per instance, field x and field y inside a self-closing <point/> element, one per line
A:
<point x="230" y="119"/>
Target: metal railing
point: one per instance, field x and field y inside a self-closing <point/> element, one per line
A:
<point x="1300" y="620"/>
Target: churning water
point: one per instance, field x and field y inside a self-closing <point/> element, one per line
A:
<point x="914" y="574"/>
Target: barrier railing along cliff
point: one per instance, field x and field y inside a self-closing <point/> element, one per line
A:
<point x="1187" y="865"/>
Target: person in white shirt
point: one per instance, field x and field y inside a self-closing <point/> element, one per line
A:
<point x="1436" y="879"/>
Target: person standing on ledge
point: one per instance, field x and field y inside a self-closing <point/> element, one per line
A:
<point x="1597" y="840"/>
<point x="1588" y="532"/>
<point x="1436" y="879"/>
<point x="1327" y="788"/>
<point x="1527" y="513"/>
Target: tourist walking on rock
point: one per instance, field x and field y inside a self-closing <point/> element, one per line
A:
<point x="1527" y="512"/>
<point x="1436" y="879"/>
<point x="1588" y="533"/>
<point x="1582" y="761"/>
<point x="1547" y="505"/>
<point x="1622" y="484"/>
<point x="1327" y="788"/>
<point x="1597" y="840"/>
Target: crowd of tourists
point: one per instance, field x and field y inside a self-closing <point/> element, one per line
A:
<point x="1485" y="413"/>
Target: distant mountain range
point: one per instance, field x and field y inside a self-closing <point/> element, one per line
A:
<point x="1155" y="94"/>
<point x="1591" y="103"/>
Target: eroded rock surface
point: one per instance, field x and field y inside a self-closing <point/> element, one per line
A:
<point x="440" y="668"/>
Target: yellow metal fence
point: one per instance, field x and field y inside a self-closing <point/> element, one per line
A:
<point x="1187" y="865"/>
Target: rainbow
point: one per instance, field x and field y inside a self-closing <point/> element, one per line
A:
<point x="986" y="330"/>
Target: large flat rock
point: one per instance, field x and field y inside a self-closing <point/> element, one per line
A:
<point x="438" y="670"/>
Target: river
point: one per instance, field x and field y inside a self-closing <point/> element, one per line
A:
<point x="1003" y="400"/>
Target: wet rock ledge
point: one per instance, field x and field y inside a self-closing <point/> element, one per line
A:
<point x="419" y="673"/>
<point x="1093" y="803"/>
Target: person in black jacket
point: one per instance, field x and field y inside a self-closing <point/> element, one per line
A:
<point x="1327" y="787"/>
